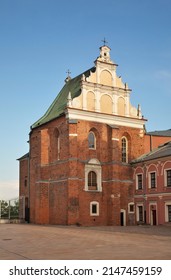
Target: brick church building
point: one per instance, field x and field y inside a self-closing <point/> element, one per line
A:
<point x="78" y="170"/>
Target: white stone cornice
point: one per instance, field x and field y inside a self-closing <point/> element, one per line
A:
<point x="78" y="114"/>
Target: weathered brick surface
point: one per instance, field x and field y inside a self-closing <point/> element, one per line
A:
<point x="153" y="141"/>
<point x="57" y="185"/>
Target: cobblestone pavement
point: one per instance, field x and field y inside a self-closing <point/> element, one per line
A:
<point x="36" y="242"/>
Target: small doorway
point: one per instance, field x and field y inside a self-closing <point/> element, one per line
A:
<point x="154" y="220"/>
<point x="123" y="217"/>
<point x="27" y="210"/>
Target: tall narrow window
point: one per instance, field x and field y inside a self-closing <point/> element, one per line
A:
<point x="140" y="209"/>
<point x="168" y="172"/>
<point x="153" y="180"/>
<point x="139" y="182"/>
<point x="92" y="180"/>
<point x="91" y="140"/>
<point x="94" y="208"/>
<point x="124" y="150"/>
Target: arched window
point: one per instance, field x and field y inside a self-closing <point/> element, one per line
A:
<point x="93" y="176"/>
<point x="92" y="180"/>
<point x="124" y="149"/>
<point x="91" y="140"/>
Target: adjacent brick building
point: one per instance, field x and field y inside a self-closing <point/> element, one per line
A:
<point x="78" y="166"/>
<point x="152" y="186"/>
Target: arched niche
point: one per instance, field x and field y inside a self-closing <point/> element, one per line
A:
<point x="106" y="104"/>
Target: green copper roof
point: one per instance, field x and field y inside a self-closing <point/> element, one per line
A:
<point x="59" y="104"/>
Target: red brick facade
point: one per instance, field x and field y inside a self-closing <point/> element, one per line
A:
<point x="78" y="169"/>
<point x="57" y="183"/>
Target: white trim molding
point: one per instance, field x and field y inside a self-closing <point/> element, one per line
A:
<point x="79" y="114"/>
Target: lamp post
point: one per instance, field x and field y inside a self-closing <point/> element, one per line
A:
<point x="9" y="210"/>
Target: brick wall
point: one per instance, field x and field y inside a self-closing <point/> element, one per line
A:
<point x="153" y="141"/>
<point x="57" y="185"/>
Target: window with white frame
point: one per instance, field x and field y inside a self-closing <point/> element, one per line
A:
<point x="131" y="207"/>
<point x="94" y="208"/>
<point x="168" y="211"/>
<point x="139" y="181"/>
<point x="93" y="180"/>
<point x="152" y="180"/>
<point x="140" y="215"/>
<point x="168" y="178"/>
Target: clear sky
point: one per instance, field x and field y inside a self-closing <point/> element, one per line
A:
<point x="41" y="39"/>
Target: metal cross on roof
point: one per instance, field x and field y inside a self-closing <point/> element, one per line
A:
<point x="68" y="72"/>
<point x="104" y="41"/>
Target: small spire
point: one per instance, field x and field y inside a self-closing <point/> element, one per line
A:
<point x="126" y="85"/>
<point x="83" y="77"/>
<point x="105" y="53"/>
<point x="69" y="100"/>
<point x="139" y="111"/>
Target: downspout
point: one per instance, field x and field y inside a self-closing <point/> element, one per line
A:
<point x="151" y="143"/>
<point x="29" y="179"/>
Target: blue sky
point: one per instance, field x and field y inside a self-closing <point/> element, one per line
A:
<point x="41" y="39"/>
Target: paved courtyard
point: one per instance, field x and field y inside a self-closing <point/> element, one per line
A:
<point x="36" y="242"/>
